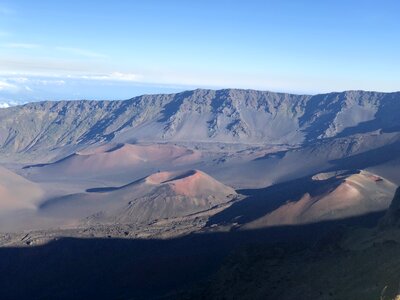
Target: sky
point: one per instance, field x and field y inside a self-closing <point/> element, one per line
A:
<point x="69" y="49"/>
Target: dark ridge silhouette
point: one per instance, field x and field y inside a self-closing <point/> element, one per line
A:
<point x="48" y="164"/>
<point x="392" y="216"/>
<point x="113" y="188"/>
<point x="181" y="176"/>
<point x="108" y="268"/>
<point x="115" y="148"/>
<point x="279" y="154"/>
<point x="103" y="189"/>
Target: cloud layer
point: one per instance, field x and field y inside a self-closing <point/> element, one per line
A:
<point x="19" y="88"/>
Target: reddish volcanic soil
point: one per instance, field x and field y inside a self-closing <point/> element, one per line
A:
<point x="116" y="158"/>
<point x="357" y="194"/>
<point x="17" y="192"/>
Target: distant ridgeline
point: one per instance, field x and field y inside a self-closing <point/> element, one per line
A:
<point x="223" y="116"/>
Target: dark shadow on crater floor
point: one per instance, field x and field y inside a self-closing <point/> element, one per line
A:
<point x="72" y="268"/>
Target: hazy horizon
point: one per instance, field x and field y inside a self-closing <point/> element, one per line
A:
<point x="5" y="104"/>
<point x="98" y="50"/>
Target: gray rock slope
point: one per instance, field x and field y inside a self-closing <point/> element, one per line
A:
<point x="223" y="116"/>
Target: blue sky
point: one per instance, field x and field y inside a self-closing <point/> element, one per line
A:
<point x="119" y="49"/>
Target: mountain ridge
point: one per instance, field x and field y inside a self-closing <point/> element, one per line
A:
<point x="15" y="104"/>
<point x="219" y="116"/>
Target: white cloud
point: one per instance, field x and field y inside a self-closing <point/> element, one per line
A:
<point x="49" y="82"/>
<point x="21" y="45"/>
<point x="6" y="86"/>
<point x="15" y="87"/>
<point x="18" y="79"/>
<point x="115" y="76"/>
<point x="11" y="80"/>
<point x="81" y="52"/>
<point x="125" y="76"/>
<point x="6" y="104"/>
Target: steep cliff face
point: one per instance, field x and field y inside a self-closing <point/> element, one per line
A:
<point x="224" y="116"/>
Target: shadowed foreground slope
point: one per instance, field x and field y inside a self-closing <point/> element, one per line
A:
<point x="135" y="269"/>
<point x="350" y="263"/>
